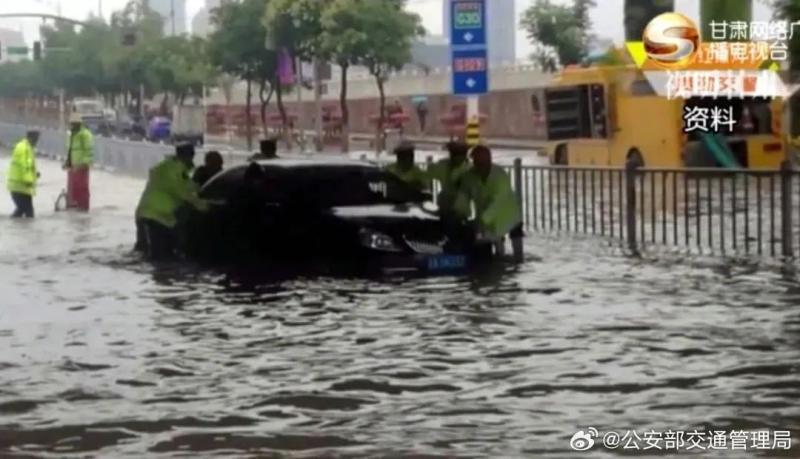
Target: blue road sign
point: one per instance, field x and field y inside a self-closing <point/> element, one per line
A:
<point x="468" y="47"/>
<point x="467" y="23"/>
<point x="470" y="72"/>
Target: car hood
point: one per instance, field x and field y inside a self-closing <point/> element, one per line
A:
<point x="385" y="212"/>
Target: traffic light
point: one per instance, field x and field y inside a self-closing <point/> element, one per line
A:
<point x="37" y="50"/>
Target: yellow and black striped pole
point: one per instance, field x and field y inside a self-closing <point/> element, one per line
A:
<point x="472" y="135"/>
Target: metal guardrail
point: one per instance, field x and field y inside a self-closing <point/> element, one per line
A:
<point x="707" y="211"/>
<point x="116" y="154"/>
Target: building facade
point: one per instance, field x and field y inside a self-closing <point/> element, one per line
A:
<point x="430" y="52"/>
<point x="201" y="23"/>
<point x="173" y="12"/>
<point x="501" y="29"/>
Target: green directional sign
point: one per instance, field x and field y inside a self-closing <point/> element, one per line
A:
<point x="17" y="50"/>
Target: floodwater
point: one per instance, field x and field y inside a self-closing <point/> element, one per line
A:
<point x="103" y="355"/>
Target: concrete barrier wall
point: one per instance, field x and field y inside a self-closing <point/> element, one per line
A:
<point x="510" y="114"/>
<point x="405" y="83"/>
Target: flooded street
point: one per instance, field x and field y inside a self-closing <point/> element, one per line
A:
<point x="103" y="355"/>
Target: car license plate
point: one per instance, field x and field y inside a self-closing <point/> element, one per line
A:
<point x="446" y="262"/>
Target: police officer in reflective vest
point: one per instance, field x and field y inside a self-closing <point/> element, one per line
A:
<point x="168" y="188"/>
<point x="80" y="155"/>
<point x="497" y="210"/>
<point x="448" y="172"/>
<point x="22" y="175"/>
<point x="405" y="169"/>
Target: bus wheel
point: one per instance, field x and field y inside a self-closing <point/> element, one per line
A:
<point x="636" y="156"/>
<point x="560" y="156"/>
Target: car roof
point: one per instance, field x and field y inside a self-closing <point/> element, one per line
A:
<point x="297" y="163"/>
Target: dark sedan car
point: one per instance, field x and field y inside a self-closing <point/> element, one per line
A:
<point x="351" y="214"/>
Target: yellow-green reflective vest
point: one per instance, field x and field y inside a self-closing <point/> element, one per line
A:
<point x="414" y="176"/>
<point x="448" y="176"/>
<point x="168" y="187"/>
<point x="22" y="169"/>
<point x="496" y="208"/>
<point x="80" y="147"/>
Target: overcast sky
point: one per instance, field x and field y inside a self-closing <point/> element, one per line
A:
<point x="607" y="21"/>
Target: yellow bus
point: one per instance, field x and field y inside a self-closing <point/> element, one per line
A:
<point x="605" y="115"/>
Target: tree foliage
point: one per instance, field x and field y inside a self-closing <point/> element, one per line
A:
<point x="237" y="47"/>
<point x="723" y="11"/>
<point x="390" y="31"/>
<point x="374" y="33"/>
<point x="638" y="13"/>
<point x="94" y="60"/>
<point x="559" y="32"/>
<point x="789" y="10"/>
<point x="297" y="26"/>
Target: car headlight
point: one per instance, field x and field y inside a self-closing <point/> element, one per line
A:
<point x="377" y="241"/>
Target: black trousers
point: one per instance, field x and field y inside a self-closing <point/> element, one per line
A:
<point x="154" y="239"/>
<point x="24" y="205"/>
<point x="484" y="251"/>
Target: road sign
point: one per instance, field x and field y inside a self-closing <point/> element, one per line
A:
<point x="467" y="23"/>
<point x="468" y="47"/>
<point x="17" y="50"/>
<point x="470" y="72"/>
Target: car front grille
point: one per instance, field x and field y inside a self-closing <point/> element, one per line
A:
<point x="426" y="247"/>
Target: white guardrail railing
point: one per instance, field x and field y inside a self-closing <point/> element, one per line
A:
<point x="114" y="154"/>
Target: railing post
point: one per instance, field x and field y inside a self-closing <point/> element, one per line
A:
<point x="631" y="167"/>
<point x="786" y="209"/>
<point x="518" y="181"/>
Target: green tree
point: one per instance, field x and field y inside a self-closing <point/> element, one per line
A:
<point x="374" y="33"/>
<point x="296" y="25"/>
<point x="638" y="13"/>
<point x="558" y="34"/>
<point x="72" y="59"/>
<point x="345" y="42"/>
<point x="789" y="10"/>
<point x="390" y="30"/>
<point x="181" y="66"/>
<point x="23" y="79"/>
<point x="237" y="47"/>
<point x="131" y="65"/>
<point x="723" y="11"/>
